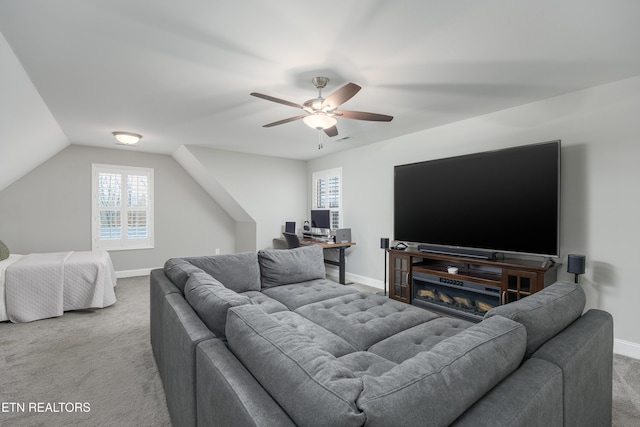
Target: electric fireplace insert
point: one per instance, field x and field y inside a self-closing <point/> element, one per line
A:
<point x="457" y="297"/>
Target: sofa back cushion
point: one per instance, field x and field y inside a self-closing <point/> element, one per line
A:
<point x="211" y="300"/>
<point x="434" y="387"/>
<point x="287" y="266"/>
<point x="310" y="384"/>
<point x="178" y="271"/>
<point x="238" y="272"/>
<point x="544" y="313"/>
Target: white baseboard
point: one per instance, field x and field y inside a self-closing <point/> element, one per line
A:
<point x="379" y="284"/>
<point x="133" y="273"/>
<point x="626" y="348"/>
<point x="354" y="278"/>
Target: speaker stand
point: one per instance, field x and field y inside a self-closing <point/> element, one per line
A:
<point x="384" y="293"/>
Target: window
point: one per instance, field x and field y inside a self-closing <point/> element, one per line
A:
<point x="327" y="194"/>
<point x="122" y="212"/>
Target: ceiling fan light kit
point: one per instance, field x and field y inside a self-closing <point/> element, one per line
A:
<point x="319" y="121"/>
<point x="321" y="112"/>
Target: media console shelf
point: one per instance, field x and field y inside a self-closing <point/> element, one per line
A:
<point x="414" y="278"/>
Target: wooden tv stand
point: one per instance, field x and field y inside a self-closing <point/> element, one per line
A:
<point x="516" y="278"/>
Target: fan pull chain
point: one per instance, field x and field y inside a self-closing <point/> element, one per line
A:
<point x="320" y="140"/>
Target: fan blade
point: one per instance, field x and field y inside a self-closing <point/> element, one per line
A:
<point x="332" y="131"/>
<point x="342" y="95"/>
<point x="278" y="100"/>
<point x="281" y="122"/>
<point x="359" y="115"/>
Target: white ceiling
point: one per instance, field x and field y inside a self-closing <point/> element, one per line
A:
<point x="180" y="72"/>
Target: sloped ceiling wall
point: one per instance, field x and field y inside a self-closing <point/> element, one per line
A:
<point x="260" y="193"/>
<point x="29" y="135"/>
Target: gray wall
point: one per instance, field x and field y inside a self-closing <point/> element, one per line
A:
<point x="49" y="209"/>
<point x="599" y="129"/>
<point x="267" y="190"/>
<point x="29" y="135"/>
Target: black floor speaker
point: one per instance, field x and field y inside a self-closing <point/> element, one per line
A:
<point x="384" y="243"/>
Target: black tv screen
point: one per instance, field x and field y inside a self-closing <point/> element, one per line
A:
<point x="504" y="201"/>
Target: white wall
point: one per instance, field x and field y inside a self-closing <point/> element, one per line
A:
<point x="599" y="129"/>
<point x="266" y="191"/>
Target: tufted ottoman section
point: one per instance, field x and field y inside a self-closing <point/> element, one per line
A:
<point x="310" y="384"/>
<point x="364" y="319"/>
<point x="299" y="294"/>
<point x="320" y="336"/>
<point x="423" y="337"/>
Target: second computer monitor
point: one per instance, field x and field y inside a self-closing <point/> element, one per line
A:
<point x="321" y="218"/>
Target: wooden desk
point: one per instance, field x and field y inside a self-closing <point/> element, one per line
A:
<point x="341" y="252"/>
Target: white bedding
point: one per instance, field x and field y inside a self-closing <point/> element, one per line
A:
<point x="4" y="264"/>
<point x="38" y="286"/>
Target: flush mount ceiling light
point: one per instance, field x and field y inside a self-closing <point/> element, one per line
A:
<point x="127" y="138"/>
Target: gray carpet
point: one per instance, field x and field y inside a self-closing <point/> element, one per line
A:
<point x="626" y="391"/>
<point x="103" y="358"/>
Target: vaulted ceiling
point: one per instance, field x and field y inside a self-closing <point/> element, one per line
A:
<point x="180" y="72"/>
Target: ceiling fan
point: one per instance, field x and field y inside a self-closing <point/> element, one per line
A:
<point x="321" y="113"/>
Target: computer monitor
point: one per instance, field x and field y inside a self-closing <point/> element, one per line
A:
<point x="290" y="227"/>
<point x="321" y="218"/>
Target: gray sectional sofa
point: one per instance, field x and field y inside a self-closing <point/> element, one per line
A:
<point x="266" y="340"/>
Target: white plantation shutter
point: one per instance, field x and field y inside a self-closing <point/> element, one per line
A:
<point x="327" y="194"/>
<point x="122" y="214"/>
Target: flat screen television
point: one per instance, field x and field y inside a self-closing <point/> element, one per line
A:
<point x="498" y="201"/>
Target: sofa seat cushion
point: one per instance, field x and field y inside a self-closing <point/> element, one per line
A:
<point x="363" y="363"/>
<point x="284" y="267"/>
<point x="238" y="272"/>
<point x="309" y="383"/>
<point x="211" y="300"/>
<point x="364" y="319"/>
<point x="545" y="313"/>
<point x="266" y="303"/>
<point x="408" y="343"/>
<point x="435" y="387"/>
<point x="299" y="294"/>
<point x="320" y="336"/>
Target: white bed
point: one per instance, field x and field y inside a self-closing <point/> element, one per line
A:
<point x="42" y="285"/>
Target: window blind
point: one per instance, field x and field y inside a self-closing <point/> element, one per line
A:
<point x="122" y="211"/>
<point x="327" y="194"/>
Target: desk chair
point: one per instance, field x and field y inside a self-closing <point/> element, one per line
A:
<point x="292" y="240"/>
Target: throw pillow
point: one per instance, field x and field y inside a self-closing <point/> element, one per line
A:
<point x="544" y="313"/>
<point x="287" y="266"/>
<point x="211" y="300"/>
<point x="179" y="270"/>
<point x="4" y="251"/>
<point x="238" y="272"/>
